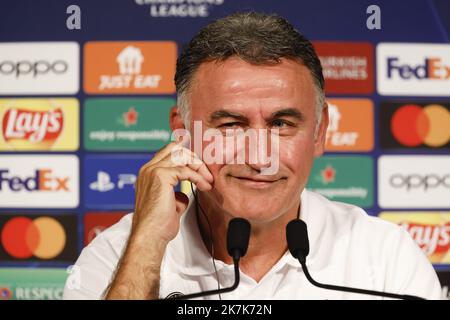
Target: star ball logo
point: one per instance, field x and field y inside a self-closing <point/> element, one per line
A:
<point x="415" y="125"/>
<point x="47" y="237"/>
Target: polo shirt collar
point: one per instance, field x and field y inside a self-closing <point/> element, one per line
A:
<point x="189" y="255"/>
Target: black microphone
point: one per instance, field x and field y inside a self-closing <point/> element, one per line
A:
<point x="298" y="244"/>
<point x="238" y="236"/>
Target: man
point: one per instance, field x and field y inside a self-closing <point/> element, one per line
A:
<point x="247" y="71"/>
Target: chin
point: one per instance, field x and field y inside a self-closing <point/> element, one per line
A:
<point x="254" y="209"/>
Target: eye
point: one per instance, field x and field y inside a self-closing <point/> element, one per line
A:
<point x="279" y="123"/>
<point x="229" y="124"/>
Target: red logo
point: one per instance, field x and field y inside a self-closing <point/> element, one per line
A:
<point x="32" y="126"/>
<point x="433" y="239"/>
<point x="130" y="117"/>
<point x="328" y="174"/>
<point x="347" y="66"/>
<point x="413" y="125"/>
<point x="96" y="222"/>
<point x="5" y="294"/>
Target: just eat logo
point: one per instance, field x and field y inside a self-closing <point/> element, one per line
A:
<point x="42" y="180"/>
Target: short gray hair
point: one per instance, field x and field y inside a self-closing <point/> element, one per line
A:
<point x="257" y="38"/>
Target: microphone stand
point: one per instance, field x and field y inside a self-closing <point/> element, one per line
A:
<point x="354" y="290"/>
<point x="236" y="259"/>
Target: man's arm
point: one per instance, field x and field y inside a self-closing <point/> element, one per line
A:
<point x="138" y="271"/>
<point x="156" y="220"/>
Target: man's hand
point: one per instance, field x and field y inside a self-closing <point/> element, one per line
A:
<point x="156" y="220"/>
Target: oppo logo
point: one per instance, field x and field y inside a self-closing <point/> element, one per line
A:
<point x="415" y="181"/>
<point x="40" y="67"/>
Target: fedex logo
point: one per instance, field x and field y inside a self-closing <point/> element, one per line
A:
<point x="42" y="180"/>
<point x="39" y="181"/>
<point x="431" y="68"/>
<point x="417" y="69"/>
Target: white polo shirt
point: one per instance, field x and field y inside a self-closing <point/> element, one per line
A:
<point x="347" y="248"/>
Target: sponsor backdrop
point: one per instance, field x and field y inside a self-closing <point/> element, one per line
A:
<point x="81" y="110"/>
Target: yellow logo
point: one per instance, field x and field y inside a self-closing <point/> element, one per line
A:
<point x="39" y="124"/>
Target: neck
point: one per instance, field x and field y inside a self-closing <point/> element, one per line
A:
<point x="267" y="240"/>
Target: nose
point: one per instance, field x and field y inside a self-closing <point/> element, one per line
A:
<point x="257" y="149"/>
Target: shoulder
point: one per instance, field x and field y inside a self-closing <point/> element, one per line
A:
<point x="351" y="218"/>
<point x="97" y="262"/>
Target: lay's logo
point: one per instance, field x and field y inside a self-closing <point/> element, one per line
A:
<point x="39" y="124"/>
<point x="413" y="69"/>
<point x="429" y="229"/>
<point x="433" y="239"/>
<point x="34" y="126"/>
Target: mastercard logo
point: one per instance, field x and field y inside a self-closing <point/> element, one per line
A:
<point x="413" y="125"/>
<point x="43" y="237"/>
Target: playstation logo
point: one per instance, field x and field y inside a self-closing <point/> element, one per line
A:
<point x="104" y="183"/>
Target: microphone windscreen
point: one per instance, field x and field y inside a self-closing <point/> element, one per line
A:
<point x="238" y="236"/>
<point x="297" y="238"/>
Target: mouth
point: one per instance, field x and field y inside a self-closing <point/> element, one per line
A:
<point x="257" y="182"/>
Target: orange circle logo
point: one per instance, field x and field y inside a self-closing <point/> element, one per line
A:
<point x="43" y="238"/>
<point x="413" y="125"/>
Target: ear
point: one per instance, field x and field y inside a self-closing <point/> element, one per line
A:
<point x="175" y="119"/>
<point x="319" y="143"/>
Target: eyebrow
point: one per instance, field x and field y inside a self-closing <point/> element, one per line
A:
<point x="219" y="114"/>
<point x="288" y="112"/>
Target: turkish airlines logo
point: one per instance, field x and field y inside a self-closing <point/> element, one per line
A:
<point x="414" y="181"/>
<point x="130" y="67"/>
<point x="413" y="69"/>
<point x="39" y="68"/>
<point x="38" y="238"/>
<point x="347" y="66"/>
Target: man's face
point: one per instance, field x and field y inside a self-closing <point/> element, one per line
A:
<point x="237" y="95"/>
